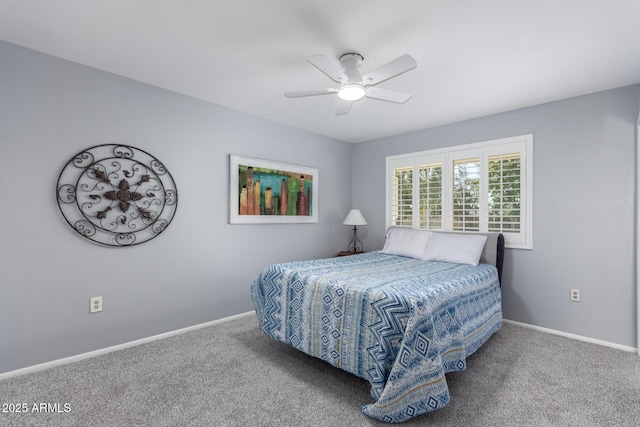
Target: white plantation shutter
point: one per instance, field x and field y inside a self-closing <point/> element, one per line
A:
<point x="482" y="187"/>
<point x="466" y="195"/>
<point x="402" y="197"/>
<point x="504" y="193"/>
<point x="430" y="196"/>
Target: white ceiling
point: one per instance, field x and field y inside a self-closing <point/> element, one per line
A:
<point x="475" y="57"/>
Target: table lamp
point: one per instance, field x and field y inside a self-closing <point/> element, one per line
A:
<point x="355" y="218"/>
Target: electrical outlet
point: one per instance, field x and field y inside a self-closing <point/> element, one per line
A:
<point x="575" y="295"/>
<point x="95" y="305"/>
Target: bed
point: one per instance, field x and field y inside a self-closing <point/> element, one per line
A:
<point x="401" y="318"/>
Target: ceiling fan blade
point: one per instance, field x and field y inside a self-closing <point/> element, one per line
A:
<point x="329" y="67"/>
<point x="399" y="65"/>
<point x="297" y="94"/>
<point x="343" y="107"/>
<point x="387" y="95"/>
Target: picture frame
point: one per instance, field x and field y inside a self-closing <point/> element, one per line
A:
<point x="268" y="192"/>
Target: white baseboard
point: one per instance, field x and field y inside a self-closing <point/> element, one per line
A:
<point x="90" y="354"/>
<point x="573" y="336"/>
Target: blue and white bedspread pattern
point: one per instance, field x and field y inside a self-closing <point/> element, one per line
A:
<point x="398" y="322"/>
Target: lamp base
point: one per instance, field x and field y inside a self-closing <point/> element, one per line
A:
<point x="355" y="245"/>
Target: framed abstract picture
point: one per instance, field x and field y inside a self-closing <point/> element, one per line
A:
<point x="266" y="192"/>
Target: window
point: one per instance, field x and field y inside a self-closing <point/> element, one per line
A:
<point x="431" y="196"/>
<point x="504" y="192"/>
<point x="402" y="196"/>
<point x="481" y="187"/>
<point x="466" y="195"/>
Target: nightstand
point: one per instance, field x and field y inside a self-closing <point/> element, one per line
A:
<point x="347" y="253"/>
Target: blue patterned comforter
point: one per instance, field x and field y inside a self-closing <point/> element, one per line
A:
<point x="398" y="322"/>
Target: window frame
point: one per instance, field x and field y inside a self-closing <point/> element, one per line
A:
<point x="522" y="144"/>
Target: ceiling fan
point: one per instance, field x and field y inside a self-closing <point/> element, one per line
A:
<point x="353" y="86"/>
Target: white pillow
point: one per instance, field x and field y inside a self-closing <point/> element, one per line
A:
<point x="457" y="248"/>
<point x="407" y="242"/>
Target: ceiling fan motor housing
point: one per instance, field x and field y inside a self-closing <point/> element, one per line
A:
<point x="350" y="63"/>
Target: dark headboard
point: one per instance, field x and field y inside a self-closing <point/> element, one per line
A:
<point x="500" y="256"/>
<point x="493" y="252"/>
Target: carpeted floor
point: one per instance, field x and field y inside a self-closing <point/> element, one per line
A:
<point x="231" y="375"/>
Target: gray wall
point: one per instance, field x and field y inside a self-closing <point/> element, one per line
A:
<point x="200" y="269"/>
<point x="584" y="209"/>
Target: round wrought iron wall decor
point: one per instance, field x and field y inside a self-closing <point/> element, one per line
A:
<point x="116" y="195"/>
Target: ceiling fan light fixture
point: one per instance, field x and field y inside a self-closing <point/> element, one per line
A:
<point x="351" y="92"/>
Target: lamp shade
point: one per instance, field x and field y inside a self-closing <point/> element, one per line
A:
<point x="354" y="217"/>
